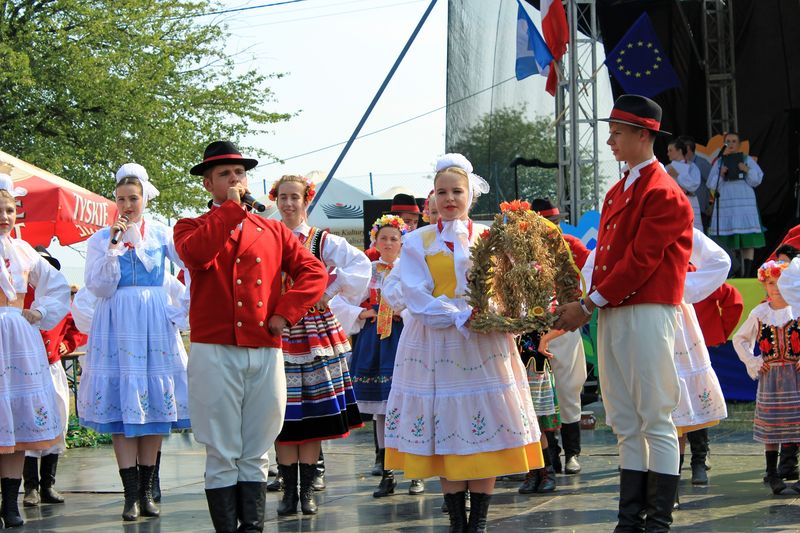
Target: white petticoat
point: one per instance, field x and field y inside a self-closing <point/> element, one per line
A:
<point x="134" y="371"/>
<point x="453" y="396"/>
<point x="701" y="399"/>
<point x="29" y="410"/>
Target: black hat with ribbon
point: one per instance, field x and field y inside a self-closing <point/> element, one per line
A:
<point x="222" y="153"/>
<point x="637" y="111"/>
<point x="545" y="208"/>
<point x="50" y="259"/>
<point x="404" y="203"/>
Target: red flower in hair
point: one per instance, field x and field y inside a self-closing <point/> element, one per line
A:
<point x="765" y="346"/>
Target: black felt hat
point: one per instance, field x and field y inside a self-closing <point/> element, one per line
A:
<point x="50" y="259"/>
<point x="638" y="111"/>
<point x="404" y="203"/>
<point x="545" y="208"/>
<point x="222" y="153"/>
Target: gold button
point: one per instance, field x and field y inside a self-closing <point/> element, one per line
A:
<point x="596" y="267"/>
<point x="258" y="259"/>
<point x="594" y="287"/>
<point x="238" y="282"/>
<point x="261" y="323"/>
<point x="615" y="226"/>
<point x="604" y="267"/>
<point x="609" y="202"/>
<point x="239" y="304"/>
<point x="258" y="229"/>
<point x="231" y="232"/>
<point x="259" y="304"/>
<point x="258" y="282"/>
<point x="608" y="247"/>
<point x="608" y="226"/>
<point x="628" y="200"/>
<point x="239" y="324"/>
<point x="601" y="248"/>
<point x="238" y="260"/>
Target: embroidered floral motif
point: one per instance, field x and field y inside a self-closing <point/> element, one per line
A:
<point x="41" y="416"/>
<point x="392" y="418"/>
<point x="144" y="401"/>
<point x="524" y="415"/>
<point x="765" y="346"/>
<point x="419" y="427"/>
<point x="794" y="339"/>
<point x="705" y="399"/>
<point x="478" y="425"/>
<point x="169" y="401"/>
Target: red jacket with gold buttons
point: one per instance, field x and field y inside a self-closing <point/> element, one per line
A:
<point x="719" y="313"/>
<point x="236" y="276"/>
<point x="644" y="242"/>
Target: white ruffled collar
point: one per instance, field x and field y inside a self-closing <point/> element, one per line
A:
<point x="773" y="317"/>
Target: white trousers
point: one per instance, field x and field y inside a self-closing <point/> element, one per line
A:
<point x="639" y="384"/>
<point x="569" y="367"/>
<point x="61" y="386"/>
<point x="237" y="399"/>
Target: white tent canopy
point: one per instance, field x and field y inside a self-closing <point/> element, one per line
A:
<point x="340" y="209"/>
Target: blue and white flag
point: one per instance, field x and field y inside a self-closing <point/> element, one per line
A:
<point x="533" y="55"/>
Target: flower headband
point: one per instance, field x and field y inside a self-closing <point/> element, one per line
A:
<point x="387" y="220"/>
<point x="426" y="209"/>
<point x="311" y="188"/>
<point x="771" y="270"/>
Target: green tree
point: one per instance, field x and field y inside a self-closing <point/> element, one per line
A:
<point x="495" y="140"/>
<point x="89" y="85"/>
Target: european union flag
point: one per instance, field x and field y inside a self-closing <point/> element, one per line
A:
<point x="639" y="63"/>
<point x="533" y="55"/>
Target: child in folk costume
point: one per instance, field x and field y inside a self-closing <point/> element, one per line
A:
<point x="773" y="327"/>
<point x="701" y="404"/>
<point x="30" y="416"/>
<point x="63" y="339"/>
<point x="443" y="369"/>
<point x="533" y="348"/>
<point x="134" y="382"/>
<point x="320" y="403"/>
<point x="379" y="326"/>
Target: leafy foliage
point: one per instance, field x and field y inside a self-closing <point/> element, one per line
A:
<point x="495" y="140"/>
<point x="89" y="85"/>
<point x="83" y="437"/>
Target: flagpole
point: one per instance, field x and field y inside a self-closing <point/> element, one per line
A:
<point x="371" y="106"/>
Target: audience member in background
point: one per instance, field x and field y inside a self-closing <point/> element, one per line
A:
<point x="688" y="176"/>
<point x="405" y="206"/>
<point x="735" y="222"/>
<point x="705" y="169"/>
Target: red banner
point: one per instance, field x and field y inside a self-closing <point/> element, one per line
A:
<point x="55" y="208"/>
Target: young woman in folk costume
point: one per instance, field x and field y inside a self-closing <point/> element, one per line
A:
<point x="701" y="404"/>
<point x="29" y="411"/>
<point x="774" y="328"/>
<point x="320" y="403"/>
<point x="379" y="326"/>
<point x="443" y="368"/>
<point x="134" y="382"/>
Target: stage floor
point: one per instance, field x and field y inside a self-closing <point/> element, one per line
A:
<point x="735" y="500"/>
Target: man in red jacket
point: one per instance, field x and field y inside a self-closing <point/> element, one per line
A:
<point x="237" y="314"/>
<point x="569" y="364"/>
<point x="643" y="248"/>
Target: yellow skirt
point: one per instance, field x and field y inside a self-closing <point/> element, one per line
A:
<point x="688" y="429"/>
<point x="463" y="467"/>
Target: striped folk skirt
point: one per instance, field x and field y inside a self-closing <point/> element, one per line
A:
<point x="777" y="417"/>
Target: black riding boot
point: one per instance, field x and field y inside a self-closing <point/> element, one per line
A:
<point x="531" y="483"/>
<point x="555" y="450"/>
<point x="479" y="512"/>
<point x="386" y="486"/>
<point x="378" y="466"/>
<point x="288" y="504"/>
<point x="571" y="438"/>
<point x="48" y="479"/>
<point x="319" y="475"/>
<point x="250" y="505"/>
<point x="787" y="465"/>
<point x="457" y="511"/>
<point x="146" y="504"/>
<point x="772" y="478"/>
<point x="9" y="510"/>
<point x="157" y="480"/>
<point x="307" y="502"/>
<point x="632" y="501"/>
<point x="222" y="507"/>
<point x="130" y="483"/>
<point x="661" y="490"/>
<point x="698" y="441"/>
<point x="30" y="476"/>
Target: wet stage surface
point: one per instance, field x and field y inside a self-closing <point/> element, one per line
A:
<point x="735" y="499"/>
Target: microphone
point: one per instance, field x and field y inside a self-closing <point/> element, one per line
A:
<point x="248" y="200"/>
<point x="118" y="233"/>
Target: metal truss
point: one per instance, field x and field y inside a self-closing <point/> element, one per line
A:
<point x="720" y="63"/>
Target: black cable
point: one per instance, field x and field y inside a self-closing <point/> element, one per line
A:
<point x="248" y="8"/>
